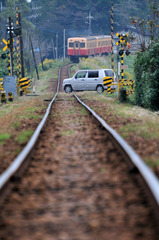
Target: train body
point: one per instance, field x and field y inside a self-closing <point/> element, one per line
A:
<point x="88" y="46"/>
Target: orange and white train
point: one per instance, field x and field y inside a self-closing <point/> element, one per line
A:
<point x="88" y="46"/>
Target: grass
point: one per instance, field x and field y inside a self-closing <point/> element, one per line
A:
<point x="15" y="125"/>
<point x="68" y="133"/>
<point x="83" y="111"/>
<point x="152" y="162"/>
<point x="69" y="112"/>
<point x="3" y="137"/>
<point x="31" y="116"/>
<point x="24" y="136"/>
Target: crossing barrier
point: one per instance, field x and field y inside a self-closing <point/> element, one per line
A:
<point x="126" y="82"/>
<point x="112" y="86"/>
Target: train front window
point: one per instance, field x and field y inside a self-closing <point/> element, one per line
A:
<point x="82" y="45"/>
<point x="76" y="45"/>
<point x="70" y="45"/>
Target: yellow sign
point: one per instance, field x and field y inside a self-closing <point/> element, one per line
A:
<point x="122" y="39"/>
<point x="7" y="43"/>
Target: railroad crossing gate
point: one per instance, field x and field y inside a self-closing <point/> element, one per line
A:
<point x="112" y="86"/>
<point x="129" y="83"/>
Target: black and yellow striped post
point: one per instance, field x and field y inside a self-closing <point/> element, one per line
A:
<point x="122" y="63"/>
<point x="9" y="72"/>
<point x="3" y="97"/>
<point x="10" y="96"/>
<point x="1" y="84"/>
<point x="24" y="83"/>
<point x="112" y="33"/>
<point x="107" y="81"/>
<point x="19" y="76"/>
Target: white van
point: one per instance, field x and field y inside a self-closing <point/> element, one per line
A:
<point x="88" y="80"/>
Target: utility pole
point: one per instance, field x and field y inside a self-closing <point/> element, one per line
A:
<point x="56" y="45"/>
<point x="89" y="23"/>
<point x="30" y="58"/>
<point x="40" y="49"/>
<point x="53" y="48"/>
<point x="34" y="57"/>
<point x="64" y="54"/>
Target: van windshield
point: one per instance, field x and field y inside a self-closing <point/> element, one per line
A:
<point x="108" y="73"/>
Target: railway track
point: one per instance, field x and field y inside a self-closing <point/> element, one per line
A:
<point x="80" y="182"/>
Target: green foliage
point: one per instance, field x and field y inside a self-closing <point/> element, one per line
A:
<point x="147" y="78"/>
<point x="47" y="64"/>
<point x="24" y="136"/>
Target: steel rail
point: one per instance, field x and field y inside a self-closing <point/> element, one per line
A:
<point x="149" y="177"/>
<point x="19" y="160"/>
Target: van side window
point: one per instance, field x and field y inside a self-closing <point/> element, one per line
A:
<point x="81" y="74"/>
<point x="93" y="74"/>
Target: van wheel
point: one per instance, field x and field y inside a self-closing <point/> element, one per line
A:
<point x="68" y="89"/>
<point x="99" y="89"/>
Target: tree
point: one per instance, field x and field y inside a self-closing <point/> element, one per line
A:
<point x="148" y="26"/>
<point x="147" y="75"/>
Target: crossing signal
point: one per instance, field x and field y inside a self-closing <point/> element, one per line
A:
<point x="17" y="31"/>
<point x="3" y="56"/>
<point x="10" y="29"/>
<point x="121" y="52"/>
<point x="127" y="52"/>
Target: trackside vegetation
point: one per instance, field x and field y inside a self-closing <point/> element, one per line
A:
<point x="146" y="70"/>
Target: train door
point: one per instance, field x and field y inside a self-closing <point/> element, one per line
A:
<point x="76" y="48"/>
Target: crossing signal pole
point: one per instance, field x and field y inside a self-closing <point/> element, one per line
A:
<point x="122" y="42"/>
<point x="112" y="33"/>
<point x="18" y="51"/>
<point x="10" y="45"/>
<point x="21" y="45"/>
